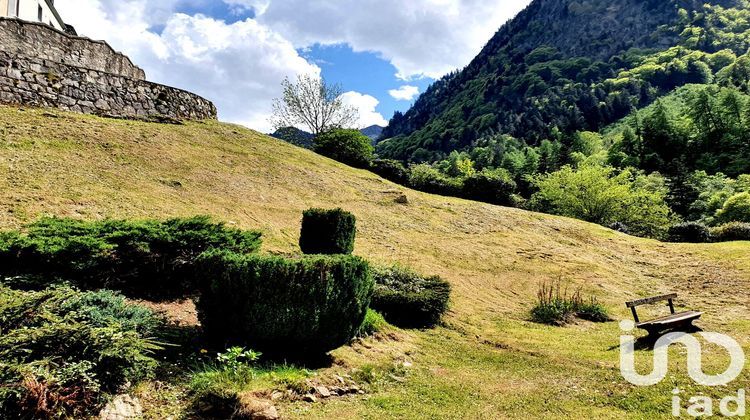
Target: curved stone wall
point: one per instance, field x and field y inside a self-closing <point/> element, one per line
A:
<point x="39" y="40"/>
<point x="37" y="82"/>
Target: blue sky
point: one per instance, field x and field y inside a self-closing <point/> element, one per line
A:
<point x="237" y="52"/>
<point x="364" y="72"/>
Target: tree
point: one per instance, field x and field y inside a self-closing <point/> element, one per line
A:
<point x="736" y="209"/>
<point x="597" y="194"/>
<point x="312" y="103"/>
<point x="346" y="146"/>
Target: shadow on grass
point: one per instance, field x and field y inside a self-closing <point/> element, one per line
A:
<point x="649" y="342"/>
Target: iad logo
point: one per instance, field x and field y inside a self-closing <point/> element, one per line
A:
<point x="700" y="405"/>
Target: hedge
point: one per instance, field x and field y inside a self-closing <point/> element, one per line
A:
<point x="731" y="232"/>
<point x="141" y="258"/>
<point x="409" y="300"/>
<point x="282" y="306"/>
<point x="690" y="232"/>
<point x="327" y="232"/>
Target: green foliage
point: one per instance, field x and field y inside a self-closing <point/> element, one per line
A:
<point x="690" y="232"/>
<point x="346" y="146"/>
<point x="309" y="305"/>
<point x="600" y="195"/>
<point x="327" y="232"/>
<point x="734" y="231"/>
<point x="409" y="300"/>
<point x="237" y="357"/>
<point x="735" y="209"/>
<point x="555" y="306"/>
<point x="391" y="170"/>
<point x="61" y="350"/>
<point x="493" y="186"/>
<point x="424" y="177"/>
<point x="374" y="322"/>
<point x="140" y="258"/>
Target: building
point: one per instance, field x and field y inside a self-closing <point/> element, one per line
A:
<point x="34" y="11"/>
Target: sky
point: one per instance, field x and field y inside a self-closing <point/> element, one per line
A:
<point x="236" y="53"/>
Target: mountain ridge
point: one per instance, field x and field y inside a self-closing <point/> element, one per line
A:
<point x="543" y="69"/>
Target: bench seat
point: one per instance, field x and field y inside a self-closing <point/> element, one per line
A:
<point x="673" y="319"/>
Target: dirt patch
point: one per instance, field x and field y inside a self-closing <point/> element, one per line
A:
<point x="181" y="312"/>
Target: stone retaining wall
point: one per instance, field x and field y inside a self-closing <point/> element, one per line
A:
<point x="42" y="41"/>
<point x="35" y="81"/>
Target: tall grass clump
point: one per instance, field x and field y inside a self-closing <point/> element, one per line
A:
<point x="555" y="306"/>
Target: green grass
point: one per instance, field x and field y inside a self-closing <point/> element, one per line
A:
<point x="488" y="361"/>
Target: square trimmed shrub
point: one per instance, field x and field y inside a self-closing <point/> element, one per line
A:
<point x="729" y="232"/>
<point x="283" y="306"/>
<point x="327" y="232"/>
<point x="689" y="232"/>
<point x="150" y="259"/>
<point x="409" y="300"/>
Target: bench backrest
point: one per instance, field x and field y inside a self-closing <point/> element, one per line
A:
<point x="646" y="301"/>
<point x="633" y="303"/>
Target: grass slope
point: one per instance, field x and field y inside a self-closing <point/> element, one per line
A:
<point x="487" y="361"/>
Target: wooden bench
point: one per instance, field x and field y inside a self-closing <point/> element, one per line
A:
<point x="674" y="321"/>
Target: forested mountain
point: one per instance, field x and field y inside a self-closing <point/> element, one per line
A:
<point x="562" y="66"/>
<point x="633" y="114"/>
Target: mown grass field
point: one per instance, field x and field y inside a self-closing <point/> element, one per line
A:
<point x="488" y="360"/>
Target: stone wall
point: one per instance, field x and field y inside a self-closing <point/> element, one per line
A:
<point x="39" y="40"/>
<point x="41" y="66"/>
<point x="40" y="82"/>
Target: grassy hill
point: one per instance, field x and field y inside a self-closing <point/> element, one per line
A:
<point x="488" y="360"/>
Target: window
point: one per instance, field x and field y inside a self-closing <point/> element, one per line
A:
<point x="40" y="13"/>
<point x="13" y="8"/>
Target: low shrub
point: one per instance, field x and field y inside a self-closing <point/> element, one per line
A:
<point x="141" y="258"/>
<point x="373" y="323"/>
<point x="327" y="232"/>
<point x="494" y="186"/>
<point x="281" y="306"/>
<point x="424" y="177"/>
<point x="689" y="232"/>
<point x="409" y="300"/>
<point x="555" y="306"/>
<point x="346" y="146"/>
<point x="392" y="170"/>
<point x="62" y="351"/>
<point x="735" y="231"/>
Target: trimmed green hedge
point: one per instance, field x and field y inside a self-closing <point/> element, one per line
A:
<point x="140" y="258"/>
<point x="409" y="300"/>
<point x="282" y="306"/>
<point x="327" y="232"/>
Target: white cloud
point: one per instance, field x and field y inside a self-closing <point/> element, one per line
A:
<point x="419" y="37"/>
<point x="366" y="105"/>
<point x="404" y="93"/>
<point x="238" y="66"/>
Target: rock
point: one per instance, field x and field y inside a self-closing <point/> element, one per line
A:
<point x="341" y="380"/>
<point x="310" y="398"/>
<point x="251" y="408"/>
<point x="122" y="407"/>
<point x="323" y="391"/>
<point x="277" y="395"/>
<point x="402" y="199"/>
